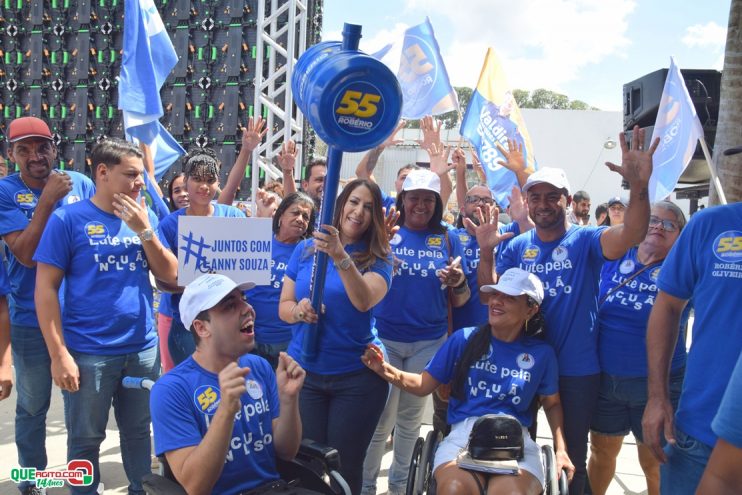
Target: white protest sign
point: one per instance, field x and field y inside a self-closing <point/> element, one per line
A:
<point x="239" y="248"/>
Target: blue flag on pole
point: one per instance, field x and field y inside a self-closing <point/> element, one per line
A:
<point x="679" y="130"/>
<point x="422" y="75"/>
<point x="493" y="117"/>
<point x="147" y="60"/>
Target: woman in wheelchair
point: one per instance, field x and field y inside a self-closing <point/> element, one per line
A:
<point x="500" y="367"/>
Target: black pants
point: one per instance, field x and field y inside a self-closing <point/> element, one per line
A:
<point x="579" y="396"/>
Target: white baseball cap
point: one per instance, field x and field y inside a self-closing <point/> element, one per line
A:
<point x="516" y="282"/>
<point x="204" y="293"/>
<point x="548" y="175"/>
<point x="422" y="179"/>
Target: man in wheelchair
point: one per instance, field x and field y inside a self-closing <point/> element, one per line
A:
<point x="497" y="368"/>
<point x="222" y="416"/>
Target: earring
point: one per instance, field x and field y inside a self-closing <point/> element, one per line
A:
<point x="279" y="223"/>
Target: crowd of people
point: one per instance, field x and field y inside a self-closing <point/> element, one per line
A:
<point x="547" y="309"/>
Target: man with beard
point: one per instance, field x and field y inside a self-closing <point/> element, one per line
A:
<point x="27" y="200"/>
<point x="579" y="214"/>
<point x="568" y="260"/>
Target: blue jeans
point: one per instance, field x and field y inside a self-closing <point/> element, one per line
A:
<point x="180" y="341"/>
<point x="403" y="413"/>
<point x="33" y="379"/>
<point x="86" y="413"/>
<point x="579" y="396"/>
<point x="342" y="411"/>
<point x="686" y="461"/>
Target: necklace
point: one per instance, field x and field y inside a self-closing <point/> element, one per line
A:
<point x="29" y="189"/>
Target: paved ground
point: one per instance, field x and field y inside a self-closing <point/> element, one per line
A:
<point x="628" y="479"/>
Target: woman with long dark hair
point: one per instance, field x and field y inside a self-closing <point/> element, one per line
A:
<point x="498" y="368"/>
<point x="292" y="222"/>
<point x="341" y="400"/>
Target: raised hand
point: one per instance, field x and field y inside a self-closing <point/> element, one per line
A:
<point x="390" y="222"/>
<point x="487" y="232"/>
<point x="452" y="275"/>
<point x="287" y="156"/>
<point x="514" y="159"/>
<point x="636" y="163"/>
<point x="392" y="139"/>
<point x="459" y="159"/>
<point x="134" y="214"/>
<point x="232" y="386"/>
<point x="431" y="132"/>
<point x="439" y="159"/>
<point x="477" y="165"/>
<point x="57" y="186"/>
<point x="289" y="376"/>
<point x="253" y="133"/>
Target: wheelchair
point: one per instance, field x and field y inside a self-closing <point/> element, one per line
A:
<point x="420" y="480"/>
<point x="315" y="467"/>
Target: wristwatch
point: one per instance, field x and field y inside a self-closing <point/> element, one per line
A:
<point x="344" y="263"/>
<point x="146" y="235"/>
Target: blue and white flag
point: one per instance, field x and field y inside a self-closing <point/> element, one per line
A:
<point x="422" y="75"/>
<point x="148" y="58"/>
<point x="679" y="130"/>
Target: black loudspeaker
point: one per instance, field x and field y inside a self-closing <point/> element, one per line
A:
<point x="641" y="100"/>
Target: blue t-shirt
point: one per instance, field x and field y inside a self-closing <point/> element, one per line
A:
<point x="505" y="380"/>
<point x="726" y="424"/>
<point x="387" y="201"/>
<point x="166" y="305"/>
<point x="269" y="328"/>
<point x="4" y="282"/>
<point x="168" y="233"/>
<point x="705" y="265"/>
<point x="17" y="206"/>
<point x="416" y="308"/>
<point x="185" y="399"/>
<point x="345" y="331"/>
<point x="622" y="318"/>
<point x="108" y="296"/>
<point x="569" y="269"/>
<point x="474" y="313"/>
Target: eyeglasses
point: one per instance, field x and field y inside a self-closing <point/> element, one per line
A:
<point x="667" y="225"/>
<point x="471" y="199"/>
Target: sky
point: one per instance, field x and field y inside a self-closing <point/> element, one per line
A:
<point x="585" y="49"/>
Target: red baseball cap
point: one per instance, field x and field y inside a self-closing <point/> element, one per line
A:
<point x="26" y="127"/>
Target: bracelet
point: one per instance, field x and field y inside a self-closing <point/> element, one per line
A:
<point x="460" y="289"/>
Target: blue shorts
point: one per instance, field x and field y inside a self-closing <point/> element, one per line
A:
<point x="621" y="403"/>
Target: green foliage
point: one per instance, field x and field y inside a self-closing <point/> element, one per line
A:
<point x="544" y="98"/>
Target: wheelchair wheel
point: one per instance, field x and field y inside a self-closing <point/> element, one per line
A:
<point x="552" y="482"/>
<point x="425" y="481"/>
<point x="414" y="465"/>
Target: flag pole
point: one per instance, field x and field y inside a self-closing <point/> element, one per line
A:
<point x="714" y="177"/>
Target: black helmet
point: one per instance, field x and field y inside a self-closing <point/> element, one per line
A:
<point x="496" y="437"/>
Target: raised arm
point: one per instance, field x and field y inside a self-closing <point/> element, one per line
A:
<point x="287" y="162"/>
<point x="636" y="169"/>
<point x="366" y="166"/>
<point x="439" y="165"/>
<point x="420" y="384"/>
<point x="251" y="137"/>
<point x="459" y="160"/>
